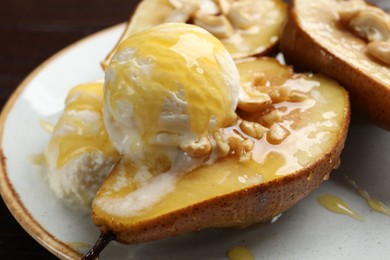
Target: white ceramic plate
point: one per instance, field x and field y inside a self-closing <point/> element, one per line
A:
<point x="307" y="231"/>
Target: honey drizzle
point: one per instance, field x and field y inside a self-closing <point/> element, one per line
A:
<point x="240" y="253"/>
<point x="335" y="204"/>
<point x="373" y="203"/>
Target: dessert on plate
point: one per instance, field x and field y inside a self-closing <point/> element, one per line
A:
<point x="206" y="142"/>
<point x="194" y="139"/>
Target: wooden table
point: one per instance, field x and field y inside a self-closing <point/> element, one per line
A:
<point x="30" y="32"/>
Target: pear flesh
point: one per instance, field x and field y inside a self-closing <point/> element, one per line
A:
<point x="258" y="37"/>
<point x="234" y="192"/>
<point x="315" y="39"/>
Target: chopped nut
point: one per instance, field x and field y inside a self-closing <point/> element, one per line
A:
<point x="176" y="3"/>
<point x="222" y="144"/>
<point x="371" y="25"/>
<point x="248" y="144"/>
<point x="218" y="25"/>
<point x="258" y="104"/>
<point x="235" y="143"/>
<point x="259" y="79"/>
<point x="253" y="129"/>
<point x="197" y="149"/>
<point x="349" y="9"/>
<point x="207" y="7"/>
<point x="253" y="100"/>
<point x="241" y="146"/>
<point x="245" y="157"/>
<point x="235" y="140"/>
<point x="278" y="93"/>
<point x="224" y="5"/>
<point x="380" y="50"/>
<point x="238" y="17"/>
<point x="183" y="13"/>
<point x="277" y="133"/>
<point x="270" y="118"/>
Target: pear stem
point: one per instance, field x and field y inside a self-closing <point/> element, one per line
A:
<point x="99" y="245"/>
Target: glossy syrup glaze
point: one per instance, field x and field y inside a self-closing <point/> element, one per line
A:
<point x="373" y="203"/>
<point x="313" y="125"/>
<point x="337" y="205"/>
<point x="240" y="253"/>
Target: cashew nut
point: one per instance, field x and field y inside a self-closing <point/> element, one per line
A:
<point x="239" y="18"/>
<point x="349" y="9"/>
<point x="252" y="100"/>
<point x="197" y="149"/>
<point x="224" y="5"/>
<point x="257" y="104"/>
<point x="380" y="50"/>
<point x="222" y="144"/>
<point x="218" y="25"/>
<point x="371" y="25"/>
<point x="253" y="129"/>
<point x="270" y="118"/>
<point x="183" y="13"/>
<point x="277" y="133"/>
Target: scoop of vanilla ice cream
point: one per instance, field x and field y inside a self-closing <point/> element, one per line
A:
<point x="80" y="153"/>
<point x="168" y="90"/>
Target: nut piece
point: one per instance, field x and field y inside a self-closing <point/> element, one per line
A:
<point x="371" y="25"/>
<point x="349" y="9"/>
<point x="235" y="143"/>
<point x="248" y="145"/>
<point x="222" y="144"/>
<point x="224" y="5"/>
<point x="245" y="157"/>
<point x="252" y="100"/>
<point x="253" y="129"/>
<point x="240" y="146"/>
<point x="183" y="13"/>
<point x="257" y="104"/>
<point x="197" y="149"/>
<point x="380" y="50"/>
<point x="239" y="17"/>
<point x="218" y="25"/>
<point x="270" y="118"/>
<point x="277" y="133"/>
<point x="259" y="79"/>
<point x="278" y="93"/>
<point x="177" y="3"/>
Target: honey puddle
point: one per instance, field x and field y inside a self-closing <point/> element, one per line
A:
<point x="240" y="253"/>
<point x="373" y="203"/>
<point x="335" y="204"/>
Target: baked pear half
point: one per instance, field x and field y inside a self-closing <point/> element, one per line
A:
<point x="285" y="149"/>
<point x="245" y="27"/>
<point x="347" y="41"/>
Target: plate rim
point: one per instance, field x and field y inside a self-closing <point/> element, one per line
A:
<point x="8" y="193"/>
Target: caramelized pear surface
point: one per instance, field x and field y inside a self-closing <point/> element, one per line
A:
<point x="315" y="39"/>
<point x="239" y="193"/>
<point x="260" y="36"/>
